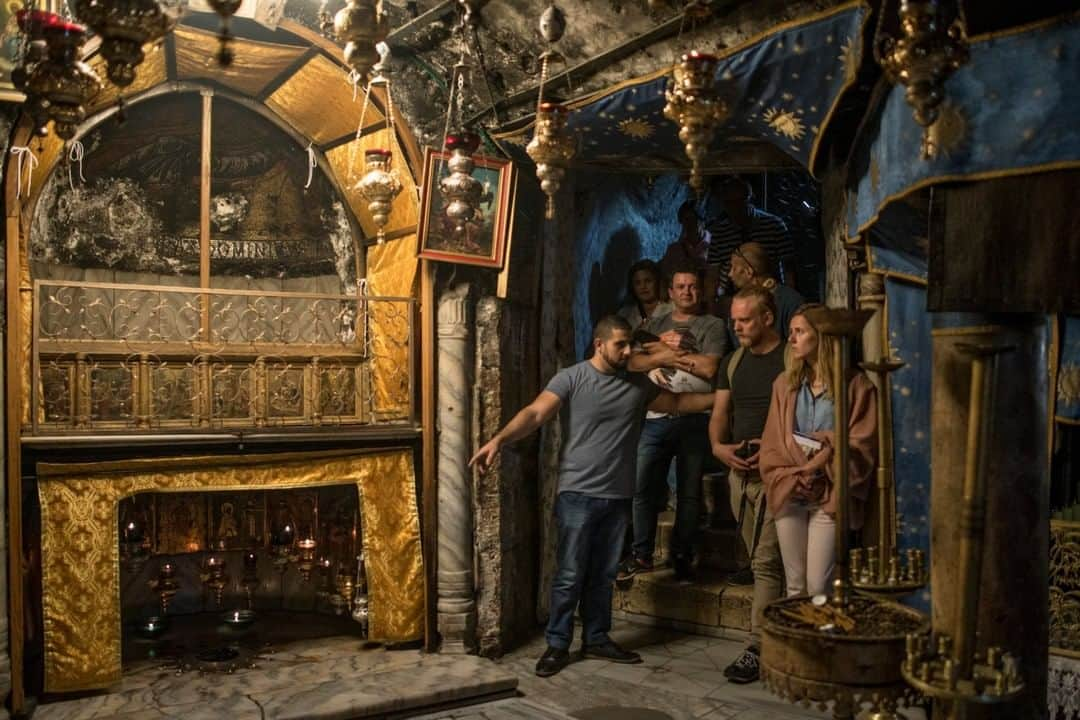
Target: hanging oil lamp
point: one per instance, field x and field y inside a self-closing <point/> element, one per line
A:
<point x="551" y="148"/>
<point x="32" y="24"/>
<point x="225" y="10"/>
<point x="379" y="186"/>
<point x="922" y="59"/>
<point x="461" y="190"/>
<point x="694" y="103"/>
<point x="552" y="145"/>
<point x="61" y="84"/>
<point x="124" y="26"/>
<point x="360" y="26"/>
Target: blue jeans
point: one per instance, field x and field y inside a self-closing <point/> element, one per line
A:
<point x="686" y="439"/>
<point x="590" y="535"/>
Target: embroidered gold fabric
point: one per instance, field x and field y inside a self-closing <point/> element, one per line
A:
<point x="80" y="543"/>
<point x="391" y="273"/>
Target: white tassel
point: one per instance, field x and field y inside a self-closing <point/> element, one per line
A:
<point x="22" y="151"/>
<point x="75" y="154"/>
<point x="312" y="163"/>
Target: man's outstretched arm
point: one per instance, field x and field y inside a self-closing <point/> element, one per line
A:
<point x="527" y="421"/>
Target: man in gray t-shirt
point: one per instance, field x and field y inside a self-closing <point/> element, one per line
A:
<point x="602" y="408"/>
<point x="684" y="437"/>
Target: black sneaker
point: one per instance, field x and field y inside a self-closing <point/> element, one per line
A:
<point x="746" y="668"/>
<point x="742" y="577"/>
<point x="552" y="661"/>
<point x="611" y="651"/>
<point x="684" y="568"/>
<point x="632" y="566"/>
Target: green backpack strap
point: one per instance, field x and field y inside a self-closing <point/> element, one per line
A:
<point x="733" y="364"/>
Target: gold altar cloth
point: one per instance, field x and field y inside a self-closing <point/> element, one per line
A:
<point x="80" y="543"/>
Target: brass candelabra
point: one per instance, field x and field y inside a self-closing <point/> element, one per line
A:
<point x="165" y="585"/>
<point x="214" y="578"/>
<point x="881" y="568"/>
<point x="947" y="665"/>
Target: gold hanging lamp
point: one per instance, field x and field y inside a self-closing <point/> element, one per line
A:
<point x="552" y="145"/>
<point x="922" y="59"/>
<point x="695" y="105"/>
<point x="380" y="184"/>
<point x="125" y="27"/>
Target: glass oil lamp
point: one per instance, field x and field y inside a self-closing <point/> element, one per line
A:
<point x="461" y="190"/>
<point x="379" y="186"/>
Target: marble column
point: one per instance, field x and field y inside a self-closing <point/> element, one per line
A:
<point x="1013" y="605"/>
<point x="456" y="602"/>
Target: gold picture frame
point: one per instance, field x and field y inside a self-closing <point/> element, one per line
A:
<point x="486" y="237"/>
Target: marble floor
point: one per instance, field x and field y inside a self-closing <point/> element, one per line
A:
<point x="681" y="678"/>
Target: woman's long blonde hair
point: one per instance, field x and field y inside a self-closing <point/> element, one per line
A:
<point x="797" y="369"/>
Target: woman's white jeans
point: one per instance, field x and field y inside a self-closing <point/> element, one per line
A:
<point x="807" y="537"/>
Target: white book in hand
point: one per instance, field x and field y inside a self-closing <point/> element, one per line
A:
<point x="810" y="445"/>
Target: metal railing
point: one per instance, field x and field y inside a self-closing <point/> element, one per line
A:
<point x="118" y="357"/>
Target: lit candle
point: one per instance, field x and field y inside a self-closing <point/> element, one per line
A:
<point x="150" y="625"/>
<point x="167" y="569"/>
<point x="236" y="616"/>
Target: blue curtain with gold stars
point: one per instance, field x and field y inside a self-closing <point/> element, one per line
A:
<point x="781" y="87"/>
<point x="1011" y="109"/>
<point x="1067" y="405"/>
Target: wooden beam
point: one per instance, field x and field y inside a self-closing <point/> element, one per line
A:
<point x="282" y="77"/>
<point x="600" y="61"/>
<point x="13" y="396"/>
<point x="429" y="476"/>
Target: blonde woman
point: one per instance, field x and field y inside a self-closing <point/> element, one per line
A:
<point x="797" y="450"/>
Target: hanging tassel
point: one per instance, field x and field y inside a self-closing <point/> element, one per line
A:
<point x="22" y="151"/>
<point x="75" y="154"/>
<point x="354" y="80"/>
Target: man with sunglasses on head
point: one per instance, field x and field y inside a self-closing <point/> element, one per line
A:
<point x="750" y="265"/>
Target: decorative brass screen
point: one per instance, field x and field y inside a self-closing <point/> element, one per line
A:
<point x="144" y="358"/>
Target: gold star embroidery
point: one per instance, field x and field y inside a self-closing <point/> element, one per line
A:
<point x="947" y="134"/>
<point x="635" y="128"/>
<point x="1069" y="384"/>
<point x="785" y="122"/>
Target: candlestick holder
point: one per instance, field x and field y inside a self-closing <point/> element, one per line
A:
<point x="250" y="579"/>
<point x="214" y="578"/>
<point x="852" y="658"/>
<point x="326" y="585"/>
<point x="360" y="611"/>
<point x="948" y="665"/>
<point x="880" y="568"/>
<point x="305" y="561"/>
<point x="343" y="583"/>
<point x="165" y="585"/>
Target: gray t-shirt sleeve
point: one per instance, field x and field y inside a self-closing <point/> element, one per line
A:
<point x="561" y="384"/>
<point x="714" y="341"/>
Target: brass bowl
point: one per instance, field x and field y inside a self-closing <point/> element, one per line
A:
<point x="805" y="664"/>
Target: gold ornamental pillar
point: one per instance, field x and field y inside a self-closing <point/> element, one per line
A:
<point x="1012" y="610"/>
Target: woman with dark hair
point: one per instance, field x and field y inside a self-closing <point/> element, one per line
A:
<point x="797" y="448"/>
<point x="645" y="294"/>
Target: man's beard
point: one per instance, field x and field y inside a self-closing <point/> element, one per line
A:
<point x="616" y="362"/>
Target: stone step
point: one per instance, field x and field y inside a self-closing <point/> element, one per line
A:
<point x="719" y="549"/>
<point x="707" y="601"/>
